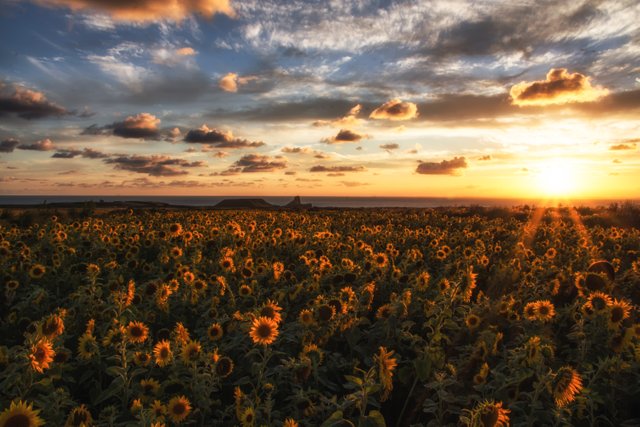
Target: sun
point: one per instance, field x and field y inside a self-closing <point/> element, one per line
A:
<point x="556" y="177"/>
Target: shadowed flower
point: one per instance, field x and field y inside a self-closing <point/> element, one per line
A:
<point x="20" y="414"/>
<point x="178" y="409"/>
<point x="162" y="353"/>
<point x="386" y="365"/>
<point x="41" y="355"/>
<point x="137" y="332"/>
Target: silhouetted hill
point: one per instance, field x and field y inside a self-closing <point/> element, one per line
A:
<point x="245" y="204"/>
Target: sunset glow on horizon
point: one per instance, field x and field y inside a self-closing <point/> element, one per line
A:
<point x="392" y="98"/>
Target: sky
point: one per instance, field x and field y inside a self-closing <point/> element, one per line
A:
<point x="320" y="98"/>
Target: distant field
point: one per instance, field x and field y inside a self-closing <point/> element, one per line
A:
<point x="450" y="316"/>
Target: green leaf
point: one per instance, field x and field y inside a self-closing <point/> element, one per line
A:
<point x="374" y="419"/>
<point x="353" y="379"/>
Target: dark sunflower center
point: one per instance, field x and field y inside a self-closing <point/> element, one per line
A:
<point x="264" y="331"/>
<point x="544" y="310"/>
<point x="18" y="420"/>
<point x="136" y="331"/>
<point x="164" y="352"/>
<point x="179" y="408"/>
<point x="598" y="303"/>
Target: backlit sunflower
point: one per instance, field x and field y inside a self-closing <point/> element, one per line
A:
<point x="271" y="310"/>
<point x="248" y="417"/>
<point x="162" y="353"/>
<point x="215" y="332"/>
<point x="380" y="260"/>
<point x="306" y="317"/>
<point x="224" y="366"/>
<point x="87" y="346"/>
<point x="263" y="330"/>
<point x="545" y="310"/>
<point x="158" y="409"/>
<point x="37" y="271"/>
<point x="150" y="387"/>
<point x="598" y="302"/>
<point x="490" y="414"/>
<point x="178" y="408"/>
<point x="141" y="358"/>
<point x="566" y="384"/>
<point x="20" y="414"/>
<point x="290" y="422"/>
<point x="79" y="417"/>
<point x="618" y="311"/>
<point x="191" y="352"/>
<point x="41" y="355"/>
<point x="386" y="365"/>
<point x="52" y="326"/>
<point x="137" y="332"/>
<point x="472" y="321"/>
<point x="175" y="229"/>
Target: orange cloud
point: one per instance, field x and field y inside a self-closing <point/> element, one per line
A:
<point x="559" y="87"/>
<point x="147" y="10"/>
<point x="395" y="110"/>
<point x="143" y="125"/>
<point x="345" y="135"/>
<point x="350" y="119"/>
<point x="27" y="103"/>
<point x="186" y="51"/>
<point x="231" y="81"/>
<point x="445" y="167"/>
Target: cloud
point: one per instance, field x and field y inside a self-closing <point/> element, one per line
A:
<point x="153" y="165"/>
<point x="259" y="163"/>
<point x="186" y="51"/>
<point x="485" y="157"/>
<point x="218" y="138"/>
<point x="395" y="110"/>
<point x="26" y="103"/>
<point x="231" y="81"/>
<point x="147" y="10"/>
<point x="8" y="145"/>
<point x="344" y="135"/>
<point x="350" y="119"/>
<point x="354" y="183"/>
<point x="623" y="146"/>
<point x="445" y="167"/>
<point x="337" y="169"/>
<point x="142" y="125"/>
<point x="42" y="145"/>
<point x="389" y="147"/>
<point x="559" y="87"/>
<point x="87" y="153"/>
<point x="297" y="150"/>
<point x="174" y="56"/>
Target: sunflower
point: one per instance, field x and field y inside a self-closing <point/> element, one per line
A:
<point x="290" y="422"/>
<point x="150" y="387"/>
<point x="79" y="417"/>
<point x="271" y="310"/>
<point x="158" y="409"/>
<point x="20" y="414"/>
<point x="136" y="406"/>
<point x="306" y="317"/>
<point x="37" y="271"/>
<point x="530" y="312"/>
<point x="41" y="355"/>
<point x="472" y="321"/>
<point x="545" y="310"/>
<point x="175" y="229"/>
<point x="178" y="408"/>
<point x="141" y="358"/>
<point x="380" y="260"/>
<point x="618" y="311"/>
<point x="598" y="302"/>
<point x="422" y="281"/>
<point x="490" y="414"/>
<point x="215" y="332"/>
<point x="566" y="384"/>
<point x="386" y="364"/>
<point x="247" y="418"/>
<point x="162" y="353"/>
<point x="263" y="330"/>
<point x="325" y="312"/>
<point x="52" y="326"/>
<point x="137" y="332"/>
<point x="87" y="346"/>
<point x="191" y="352"/>
<point x="224" y="366"/>
<point x="245" y="290"/>
<point x="227" y="264"/>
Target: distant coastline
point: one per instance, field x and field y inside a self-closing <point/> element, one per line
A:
<point x="276" y="202"/>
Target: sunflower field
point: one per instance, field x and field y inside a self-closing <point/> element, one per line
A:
<point x="362" y="317"/>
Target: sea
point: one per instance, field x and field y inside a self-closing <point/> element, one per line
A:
<point x="316" y="201"/>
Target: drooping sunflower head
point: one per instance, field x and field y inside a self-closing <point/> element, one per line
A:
<point x="490" y="414"/>
<point x="566" y="384"/>
<point x="263" y="330"/>
<point x="20" y="414"/>
<point x="52" y="326"/>
<point x="224" y="366"/>
<point x="79" y="417"/>
<point x="37" y="271"/>
<point x="618" y="311"/>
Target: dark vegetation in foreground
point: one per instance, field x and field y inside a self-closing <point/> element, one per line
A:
<point x="453" y="316"/>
